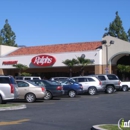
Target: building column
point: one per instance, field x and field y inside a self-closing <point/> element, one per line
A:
<point x="98" y="69"/>
<point x="1" y="72"/>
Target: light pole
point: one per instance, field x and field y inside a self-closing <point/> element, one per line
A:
<point x="104" y="42"/>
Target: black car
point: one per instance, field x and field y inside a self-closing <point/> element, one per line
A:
<point x="53" y="89"/>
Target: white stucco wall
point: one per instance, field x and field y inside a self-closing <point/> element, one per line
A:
<point x="4" y="50"/>
<point x="116" y="50"/>
<point x="95" y="55"/>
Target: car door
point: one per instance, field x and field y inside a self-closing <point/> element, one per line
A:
<point x="67" y="86"/>
<point x="23" y="88"/>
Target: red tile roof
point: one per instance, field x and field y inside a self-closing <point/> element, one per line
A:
<point x="57" y="48"/>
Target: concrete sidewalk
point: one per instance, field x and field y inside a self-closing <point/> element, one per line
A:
<point x="17" y="107"/>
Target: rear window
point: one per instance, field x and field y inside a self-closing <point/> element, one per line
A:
<point x="82" y="80"/>
<point x="7" y="80"/>
<point x="91" y="80"/>
<point x="35" y="78"/>
<point x="19" y="78"/>
<point x="35" y="82"/>
<point x="102" y="78"/>
<point x="22" y="84"/>
<point x="112" y="77"/>
<point x="27" y="78"/>
<point x="51" y="82"/>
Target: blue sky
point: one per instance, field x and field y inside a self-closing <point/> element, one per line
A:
<point x="44" y="22"/>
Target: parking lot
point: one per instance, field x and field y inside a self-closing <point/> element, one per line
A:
<point x="65" y="113"/>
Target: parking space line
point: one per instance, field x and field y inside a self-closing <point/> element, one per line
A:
<point x="70" y="100"/>
<point x="49" y="103"/>
<point x="89" y="97"/>
<point x="14" y="122"/>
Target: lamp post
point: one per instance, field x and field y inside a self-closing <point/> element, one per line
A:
<point x="104" y="42"/>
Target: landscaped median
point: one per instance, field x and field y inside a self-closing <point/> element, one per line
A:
<point x="108" y="127"/>
<point x="4" y="107"/>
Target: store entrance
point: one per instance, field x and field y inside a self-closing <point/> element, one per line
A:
<point x="125" y="60"/>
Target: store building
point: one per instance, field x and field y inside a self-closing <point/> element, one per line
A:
<point x="47" y="60"/>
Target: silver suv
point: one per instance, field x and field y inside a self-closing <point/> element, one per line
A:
<point x="90" y="84"/>
<point x="110" y="82"/>
<point x="8" y="89"/>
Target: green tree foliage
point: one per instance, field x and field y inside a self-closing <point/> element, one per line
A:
<point x="123" y="69"/>
<point x="70" y="64"/>
<point x="83" y="62"/>
<point x="25" y="74"/>
<point x="0" y="40"/>
<point x="20" y="68"/>
<point x="7" y="36"/>
<point x="128" y="35"/>
<point x="116" y="29"/>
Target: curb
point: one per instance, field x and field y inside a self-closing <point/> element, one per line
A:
<point x="97" y="127"/>
<point x="18" y="107"/>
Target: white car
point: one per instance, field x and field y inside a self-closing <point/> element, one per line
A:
<point x="8" y="89"/>
<point x="90" y="84"/>
<point x="125" y="85"/>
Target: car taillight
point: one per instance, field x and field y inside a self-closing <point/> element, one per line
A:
<point x="119" y="82"/>
<point x="59" y="88"/>
<point x="11" y="88"/>
<point x="100" y="83"/>
<point x="81" y="86"/>
<point x="43" y="89"/>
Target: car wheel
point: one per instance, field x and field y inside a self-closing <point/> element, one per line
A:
<point x="109" y="89"/>
<point x="48" y="95"/>
<point x="92" y="91"/>
<point x="0" y="100"/>
<point x="30" y="97"/>
<point x="124" y="88"/>
<point x="4" y="102"/>
<point x="72" y="93"/>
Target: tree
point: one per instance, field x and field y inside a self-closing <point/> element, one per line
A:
<point x="20" y="67"/>
<point x="0" y="40"/>
<point x="70" y="64"/>
<point x="7" y="35"/>
<point x="128" y="34"/>
<point x="123" y="69"/>
<point x="116" y="29"/>
<point x="83" y="62"/>
<point x="25" y="74"/>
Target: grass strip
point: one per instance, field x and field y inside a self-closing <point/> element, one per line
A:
<point x="112" y="127"/>
<point x="9" y="105"/>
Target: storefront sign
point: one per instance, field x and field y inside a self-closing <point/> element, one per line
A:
<point x="9" y="62"/>
<point x="43" y="60"/>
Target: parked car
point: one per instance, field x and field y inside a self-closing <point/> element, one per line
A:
<point x="110" y="82"/>
<point x="27" y="77"/>
<point x="125" y="86"/>
<point x="8" y="89"/>
<point x="53" y="89"/>
<point x="91" y="85"/>
<point x="72" y="88"/>
<point x="30" y="91"/>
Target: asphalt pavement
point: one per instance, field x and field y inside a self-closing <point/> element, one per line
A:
<point x="79" y="113"/>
